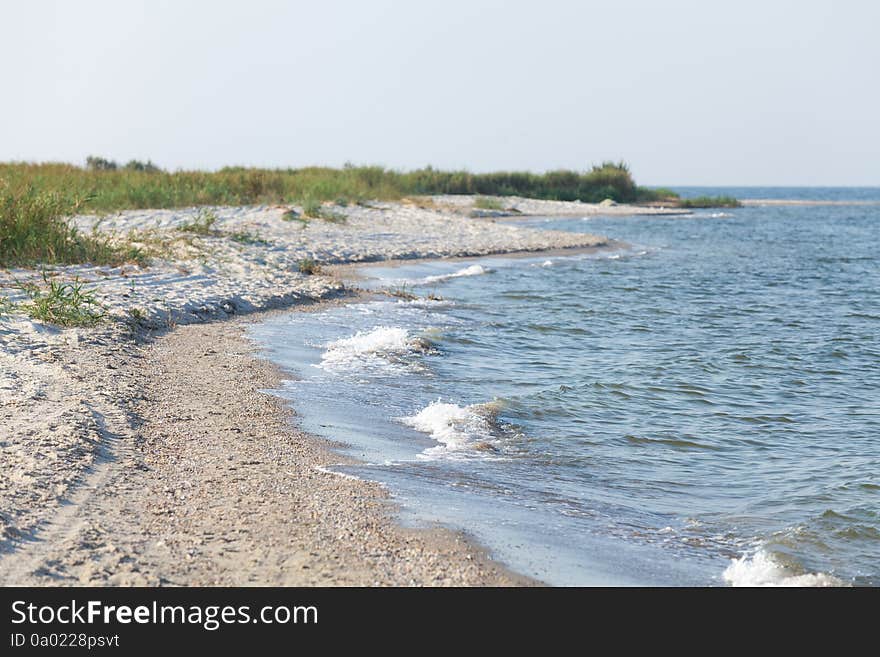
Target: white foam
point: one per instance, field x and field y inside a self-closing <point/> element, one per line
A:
<point x="366" y="345"/>
<point x="761" y="569"/>
<point x="473" y="270"/>
<point x="547" y="263"/>
<point x="341" y="475"/>
<point x="455" y="427"/>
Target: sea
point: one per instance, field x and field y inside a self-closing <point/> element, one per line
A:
<point x="698" y="407"/>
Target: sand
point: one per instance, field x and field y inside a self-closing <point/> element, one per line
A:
<point x="144" y="452"/>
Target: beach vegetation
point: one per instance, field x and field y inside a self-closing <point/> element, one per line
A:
<point x="62" y="303"/>
<point x="111" y="187"/>
<point x="34" y="229"/>
<point x="311" y="208"/>
<point x="144" y="167"/>
<point x="292" y="215"/>
<point x="37" y="199"/>
<point x="658" y="195"/>
<point x="308" y="266"/>
<point x="137" y="314"/>
<point x="244" y="237"/>
<point x="667" y="197"/>
<point x="203" y="224"/>
<point x="315" y="209"/>
<point x="710" y="202"/>
<point x="607" y="180"/>
<point x="95" y="163"/>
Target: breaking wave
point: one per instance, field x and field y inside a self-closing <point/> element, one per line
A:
<point x="382" y="343"/>
<point x="473" y="270"/>
<point x="460" y="429"/>
<point x="761" y="569"/>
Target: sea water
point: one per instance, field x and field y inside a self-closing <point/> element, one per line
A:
<point x="699" y="407"/>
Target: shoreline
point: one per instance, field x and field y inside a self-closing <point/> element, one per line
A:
<point x="143" y="452"/>
<point x="232" y="492"/>
<point x="349" y="273"/>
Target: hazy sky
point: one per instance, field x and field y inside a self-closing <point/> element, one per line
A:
<point x="702" y="92"/>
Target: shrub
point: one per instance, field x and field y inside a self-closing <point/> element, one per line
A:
<point x="94" y="163"/>
<point x="146" y="167"/>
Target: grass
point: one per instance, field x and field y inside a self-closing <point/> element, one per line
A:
<point x="486" y="203"/>
<point x="62" y="303"/>
<point x="33" y="229"/>
<point x="244" y="237"/>
<point x="315" y="209"/>
<point x="710" y="202"/>
<point x="137" y="314"/>
<point x="668" y="197"/>
<point x="659" y="195"/>
<point x="202" y="225"/>
<point x="293" y="215"/>
<point x="36" y="198"/>
<point x="110" y="187"/>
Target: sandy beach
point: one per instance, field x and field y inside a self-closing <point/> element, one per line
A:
<point x="144" y="451"/>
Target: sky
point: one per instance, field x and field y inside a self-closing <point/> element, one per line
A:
<point x="686" y="92"/>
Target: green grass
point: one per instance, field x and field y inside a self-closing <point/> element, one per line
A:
<point x="62" y="303"/>
<point x="202" y="225"/>
<point x="139" y="185"/>
<point x="293" y="215"/>
<point x="244" y="237"/>
<point x="36" y="198"/>
<point x="710" y="202"/>
<point x="315" y="209"/>
<point x="33" y="229"/>
<point x="663" y="194"/>
<point x="486" y="203"/>
<point x="137" y="314"/>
